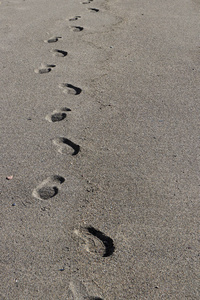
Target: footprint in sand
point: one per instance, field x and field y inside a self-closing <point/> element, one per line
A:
<point x="53" y="39"/>
<point x="75" y="18"/>
<point x="79" y="291"/>
<point x="59" y="53"/>
<point x="86" y="2"/>
<point x="58" y="115"/>
<point x="93" y="9"/>
<point x="66" y="146"/>
<point x="96" y="242"/>
<point x="70" y="89"/>
<point x="76" y="28"/>
<point x="48" y="188"/>
<point x="44" y="69"/>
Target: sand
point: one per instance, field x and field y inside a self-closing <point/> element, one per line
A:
<point x="100" y="149"/>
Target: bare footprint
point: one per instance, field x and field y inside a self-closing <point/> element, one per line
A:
<point x="75" y="18"/>
<point x="53" y="39"/>
<point x="44" y="69"/>
<point x="48" y="188"/>
<point x="64" y="145"/>
<point x="76" y="28"/>
<point x="70" y="89"/>
<point x="59" y="53"/>
<point x="57" y="115"/>
<point x="96" y="242"/>
<point x="93" y="9"/>
<point x="79" y="291"/>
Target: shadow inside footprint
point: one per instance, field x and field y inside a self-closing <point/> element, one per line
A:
<point x="48" y="188"/>
<point x="53" y="39"/>
<point x="70" y="89"/>
<point x="86" y="2"/>
<point x="44" y="69"/>
<point x="96" y="242"/>
<point x="75" y="18"/>
<point x="62" y="142"/>
<point x="107" y="241"/>
<point x="57" y="115"/>
<point x="59" y="53"/>
<point x="93" y="9"/>
<point x="76" y="28"/>
<point x="47" y="192"/>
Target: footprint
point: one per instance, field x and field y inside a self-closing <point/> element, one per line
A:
<point x="93" y="9"/>
<point x="63" y="143"/>
<point x="70" y="89"/>
<point x="59" y="53"/>
<point x="86" y="2"/>
<point x="53" y="39"/>
<point x="79" y="291"/>
<point x="44" y="69"/>
<point x="75" y="18"/>
<point x="96" y="242"/>
<point x="57" y="115"/>
<point x="48" y="188"/>
<point x="77" y="28"/>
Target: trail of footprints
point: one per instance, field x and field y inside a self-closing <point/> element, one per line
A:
<point x="95" y="242"/>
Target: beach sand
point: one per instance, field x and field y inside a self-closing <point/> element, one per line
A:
<point x="100" y="149"/>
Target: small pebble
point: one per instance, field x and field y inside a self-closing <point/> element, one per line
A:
<point x="14" y="204"/>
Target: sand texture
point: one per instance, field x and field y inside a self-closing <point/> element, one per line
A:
<point x="100" y="149"/>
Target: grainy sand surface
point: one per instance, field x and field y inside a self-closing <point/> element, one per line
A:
<point x="100" y="131"/>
